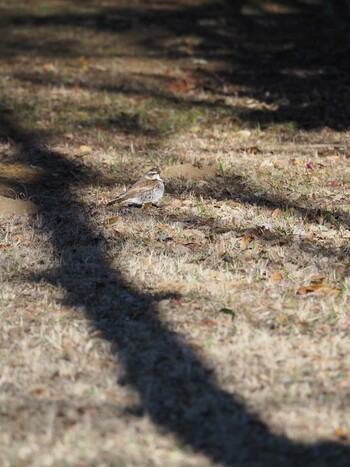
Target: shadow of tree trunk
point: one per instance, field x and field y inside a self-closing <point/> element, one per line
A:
<point x="176" y="389"/>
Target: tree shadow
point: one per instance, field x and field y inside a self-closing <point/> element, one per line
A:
<point x="176" y="389"/>
<point x="276" y="55"/>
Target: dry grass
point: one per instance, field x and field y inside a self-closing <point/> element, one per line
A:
<point x="182" y="335"/>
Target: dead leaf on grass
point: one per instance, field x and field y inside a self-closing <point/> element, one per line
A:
<point x="49" y="68"/>
<point x="228" y="205"/>
<point x="341" y="433"/>
<point x="245" y="242"/>
<point x="281" y="319"/>
<point x="68" y="350"/>
<point x="277" y="213"/>
<point x="96" y="334"/>
<point x="179" y="248"/>
<point x="146" y="207"/>
<point x="253" y="150"/>
<point x="335" y="184"/>
<point x="38" y="390"/>
<point x="119" y="233"/>
<point x="318" y="289"/>
<point x="111" y="220"/>
<point x="318" y="279"/>
<point x="83" y="149"/>
<point x="180" y="85"/>
<point x="208" y="322"/>
<point x="222" y="230"/>
<point x="194" y="233"/>
<point x="187" y="202"/>
<point x="276" y="277"/>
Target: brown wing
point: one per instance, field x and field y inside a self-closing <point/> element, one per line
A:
<point x="140" y="186"/>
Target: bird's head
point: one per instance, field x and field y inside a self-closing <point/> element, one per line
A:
<point x="153" y="174"/>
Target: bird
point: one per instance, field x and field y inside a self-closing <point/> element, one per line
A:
<point x="149" y="189"/>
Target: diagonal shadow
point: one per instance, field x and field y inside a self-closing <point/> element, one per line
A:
<point x="280" y="59"/>
<point x="235" y="186"/>
<point x="176" y="389"/>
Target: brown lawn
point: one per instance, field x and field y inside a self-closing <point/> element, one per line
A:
<point x="213" y="330"/>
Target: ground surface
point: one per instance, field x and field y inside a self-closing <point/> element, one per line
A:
<point x="215" y="329"/>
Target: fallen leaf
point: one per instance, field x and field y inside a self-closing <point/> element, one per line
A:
<point x="303" y="325"/>
<point x="68" y="350"/>
<point x="119" y="233"/>
<point x="318" y="279"/>
<point x="253" y="150"/>
<point x="49" y="67"/>
<point x="182" y="249"/>
<point x="276" y="277"/>
<point x="175" y="300"/>
<point x="194" y="233"/>
<point x="4" y="245"/>
<point x="341" y="433"/>
<point x="208" y="222"/>
<point x="335" y="184"/>
<point x="22" y="239"/>
<point x="277" y="213"/>
<point x="232" y="204"/>
<point x="96" y="334"/>
<point x="224" y="230"/>
<point x="147" y="207"/>
<point x="38" y="390"/>
<point x="245" y="242"/>
<point x="83" y="149"/>
<point x="208" y="322"/>
<point x="196" y="347"/>
<point x="111" y="220"/>
<point x="318" y="289"/>
<point x="84" y="63"/>
<point x="281" y="319"/>
<point x="18" y="237"/>
<point x="280" y="164"/>
<point x="180" y="85"/>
